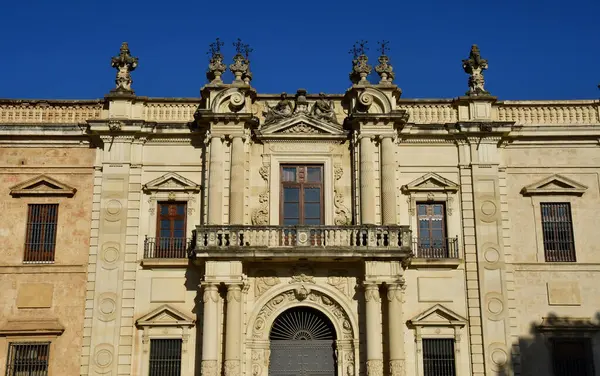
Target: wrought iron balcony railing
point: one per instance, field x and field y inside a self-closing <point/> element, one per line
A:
<point x="362" y="237"/>
<point x="441" y="248"/>
<point x="164" y="248"/>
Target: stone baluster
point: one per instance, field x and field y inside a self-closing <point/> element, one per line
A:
<point x="232" y="364"/>
<point x="388" y="181"/>
<point x="374" y="340"/>
<point x="367" y="181"/>
<point x="236" y="195"/>
<point x="215" y="182"/>
<point x="396" y="330"/>
<point x="210" y="338"/>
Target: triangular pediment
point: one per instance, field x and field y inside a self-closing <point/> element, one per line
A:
<point x="171" y="182"/>
<point x="165" y="315"/>
<point x="301" y="126"/>
<point x="555" y="185"/>
<point x="430" y="183"/>
<point x="42" y="185"/>
<point x="438" y="315"/>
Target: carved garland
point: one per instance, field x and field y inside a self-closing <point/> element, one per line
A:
<point x="260" y="215"/>
<point x="342" y="214"/>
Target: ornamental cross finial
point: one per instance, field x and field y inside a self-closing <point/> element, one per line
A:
<point x="384" y="69"/>
<point x="124" y="63"/>
<point x="247" y="50"/>
<point x="474" y="67"/>
<point x="360" y="67"/>
<point x="216" y="67"/>
<point x="240" y="63"/>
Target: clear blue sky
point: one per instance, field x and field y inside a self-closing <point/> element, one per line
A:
<point x="536" y="49"/>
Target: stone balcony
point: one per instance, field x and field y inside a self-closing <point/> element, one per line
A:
<point x="302" y="242"/>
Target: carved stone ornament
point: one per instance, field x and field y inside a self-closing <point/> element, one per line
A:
<point x="474" y="67"/>
<point x="372" y="292"/>
<point x="282" y="110"/>
<point x="124" y="63"/>
<point x="375" y="367"/>
<point x="384" y="69"/>
<point x="302" y="278"/>
<point x="397" y="367"/>
<point x="115" y="125"/>
<point x="360" y="64"/>
<point x="264" y="281"/>
<point x="208" y="368"/>
<point x="338" y="280"/>
<point x="302" y="129"/>
<point x="323" y="109"/>
<point x="342" y="213"/>
<point x="240" y="63"/>
<point x="216" y="67"/>
<point x="260" y="215"/>
<point x="231" y="367"/>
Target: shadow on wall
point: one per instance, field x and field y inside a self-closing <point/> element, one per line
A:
<point x="557" y="346"/>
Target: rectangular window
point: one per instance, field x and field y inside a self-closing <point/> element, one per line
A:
<point x="302" y="195"/>
<point x="572" y="356"/>
<point x="432" y="241"/>
<point x="557" y="227"/>
<point x="28" y="358"/>
<point x="165" y="357"/>
<point x="41" y="232"/>
<point x="438" y="357"/>
<point x="171" y="241"/>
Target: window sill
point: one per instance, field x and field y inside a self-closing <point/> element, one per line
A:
<point x="164" y="262"/>
<point x="444" y="263"/>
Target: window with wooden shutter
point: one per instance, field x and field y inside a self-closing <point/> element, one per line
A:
<point x="171" y="241"/>
<point x="40" y="240"/>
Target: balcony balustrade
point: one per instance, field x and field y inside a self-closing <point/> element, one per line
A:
<point x="442" y="248"/>
<point x="167" y="248"/>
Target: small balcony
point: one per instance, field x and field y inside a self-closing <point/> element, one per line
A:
<point x="302" y="242"/>
<point x="167" y="248"/>
<point x="441" y="248"/>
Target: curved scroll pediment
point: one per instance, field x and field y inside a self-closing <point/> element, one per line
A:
<point x="301" y="126"/>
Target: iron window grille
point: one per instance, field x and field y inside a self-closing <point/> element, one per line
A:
<point x="28" y="359"/>
<point x="572" y="357"/>
<point x="40" y="242"/>
<point x="557" y="228"/>
<point x="165" y="357"/>
<point x="438" y="357"/>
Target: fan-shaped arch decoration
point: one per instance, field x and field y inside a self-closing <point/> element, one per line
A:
<point x="302" y="323"/>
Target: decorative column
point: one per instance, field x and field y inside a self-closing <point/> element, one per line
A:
<point x="233" y="330"/>
<point x="374" y="340"/>
<point x="388" y="181"/>
<point x="215" y="182"/>
<point x="367" y="179"/>
<point x="396" y="329"/>
<point x="210" y="337"/>
<point x="236" y="194"/>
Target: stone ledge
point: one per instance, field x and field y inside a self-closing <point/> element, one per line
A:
<point x="164" y="263"/>
<point x="15" y="327"/>
<point x="42" y="269"/>
<point x="417" y="263"/>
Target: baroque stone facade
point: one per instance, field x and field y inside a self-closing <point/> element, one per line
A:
<point x="420" y="223"/>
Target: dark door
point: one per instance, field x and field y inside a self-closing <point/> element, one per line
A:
<point x="302" y="344"/>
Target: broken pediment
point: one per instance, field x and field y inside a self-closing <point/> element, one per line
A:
<point x="171" y="182"/>
<point x="554" y="185"/>
<point x="301" y="126"/>
<point x="165" y="315"/>
<point x="438" y="315"/>
<point x="42" y="185"/>
<point x="430" y="183"/>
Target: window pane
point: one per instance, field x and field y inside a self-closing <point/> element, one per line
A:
<point x="179" y="224"/>
<point x="291" y="194"/>
<point x="312" y="210"/>
<point x="165" y="224"/>
<point x="164" y="209"/>
<point x="422" y="209"/>
<point x="314" y="174"/>
<point x="291" y="210"/>
<point x="438" y="210"/>
<point x="290" y="221"/>
<point x="288" y="174"/>
<point x="312" y="194"/>
<point x="312" y="221"/>
<point x="181" y="209"/>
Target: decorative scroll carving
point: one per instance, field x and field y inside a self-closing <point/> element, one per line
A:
<point x="375" y="367"/>
<point x="260" y="215"/>
<point x="301" y="128"/>
<point x="208" y="368"/>
<point x="264" y="281"/>
<point x="338" y="280"/>
<point x="124" y="63"/>
<point x="474" y="67"/>
<point x="342" y="213"/>
<point x="349" y="362"/>
<point x="216" y="67"/>
<point x="289" y="298"/>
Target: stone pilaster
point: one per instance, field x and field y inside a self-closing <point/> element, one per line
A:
<point x="374" y="335"/>
<point x="215" y="182"/>
<point x="210" y="334"/>
<point x="233" y="331"/>
<point x="396" y="329"/>
<point x="367" y="181"/>
<point x="388" y="181"/>
<point x="236" y="195"/>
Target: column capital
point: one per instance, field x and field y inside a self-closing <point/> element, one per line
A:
<point x="211" y="292"/>
<point x="234" y="292"/>
<point x="395" y="291"/>
<point x="371" y="292"/>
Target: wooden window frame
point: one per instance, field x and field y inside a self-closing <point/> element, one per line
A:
<point x="174" y="246"/>
<point x="32" y="252"/>
<point x="301" y="185"/>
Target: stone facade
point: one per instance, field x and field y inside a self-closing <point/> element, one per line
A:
<point x="217" y="163"/>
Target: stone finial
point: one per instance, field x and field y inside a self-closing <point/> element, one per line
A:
<point x="474" y="66"/>
<point x="384" y="69"/>
<point x="360" y="67"/>
<point x="247" y="77"/>
<point x="124" y="63"/>
<point x="216" y="67"/>
<point x="240" y="65"/>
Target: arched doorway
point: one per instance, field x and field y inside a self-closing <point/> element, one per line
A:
<point x="302" y="344"/>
